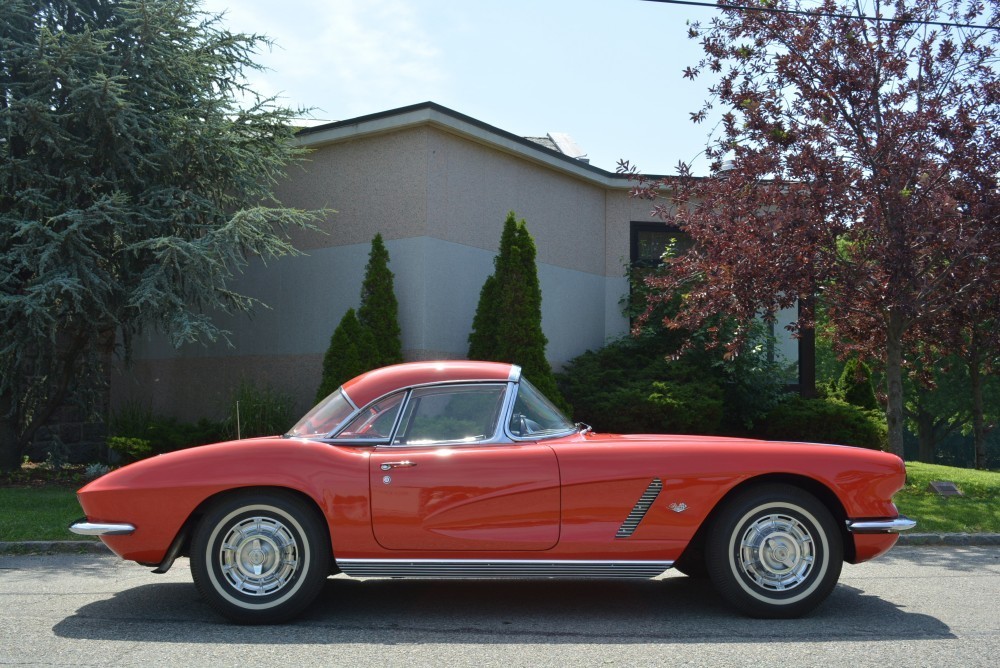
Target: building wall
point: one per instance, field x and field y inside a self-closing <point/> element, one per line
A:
<point x="439" y="200"/>
<point x="374" y="184"/>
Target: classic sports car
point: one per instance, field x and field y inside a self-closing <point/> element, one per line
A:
<point x="463" y="469"/>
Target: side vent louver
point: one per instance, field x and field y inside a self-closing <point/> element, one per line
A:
<point x="640" y="509"/>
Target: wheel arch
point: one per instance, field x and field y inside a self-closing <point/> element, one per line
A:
<point x="696" y="546"/>
<point x="182" y="542"/>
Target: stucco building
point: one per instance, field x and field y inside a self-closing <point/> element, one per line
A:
<point x="437" y="185"/>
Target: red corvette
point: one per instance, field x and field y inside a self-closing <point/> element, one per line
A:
<point x="463" y="469"/>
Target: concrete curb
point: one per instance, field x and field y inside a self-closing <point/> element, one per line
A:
<point x="951" y="539"/>
<point x="97" y="547"/>
<point x="54" y="547"/>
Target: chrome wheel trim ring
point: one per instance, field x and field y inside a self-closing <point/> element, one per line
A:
<point x="818" y="567"/>
<point x="258" y="556"/>
<point x="777" y="552"/>
<point x="222" y="585"/>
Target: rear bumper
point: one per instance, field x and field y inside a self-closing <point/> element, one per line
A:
<point x="85" y="528"/>
<point x="895" y="525"/>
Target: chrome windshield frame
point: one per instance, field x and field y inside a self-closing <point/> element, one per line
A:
<point x="509" y="409"/>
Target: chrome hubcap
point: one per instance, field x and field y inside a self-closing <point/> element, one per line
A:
<point x="259" y="556"/>
<point x="777" y="552"/>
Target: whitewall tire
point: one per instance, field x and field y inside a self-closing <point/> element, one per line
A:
<point x="260" y="557"/>
<point x="774" y="551"/>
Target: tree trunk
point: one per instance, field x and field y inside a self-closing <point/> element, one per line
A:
<point x="15" y="435"/>
<point x="976" y="381"/>
<point x="925" y="436"/>
<point x="894" y="381"/>
<point x="10" y="445"/>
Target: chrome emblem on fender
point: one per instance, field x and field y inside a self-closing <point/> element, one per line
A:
<point x="386" y="479"/>
<point x="678" y="507"/>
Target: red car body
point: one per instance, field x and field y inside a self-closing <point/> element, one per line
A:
<point x="518" y="502"/>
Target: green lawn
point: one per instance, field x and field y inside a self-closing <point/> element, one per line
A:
<point x="38" y="513"/>
<point x="43" y="513"/>
<point x="976" y="512"/>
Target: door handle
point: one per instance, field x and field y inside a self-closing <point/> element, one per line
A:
<point x="385" y="466"/>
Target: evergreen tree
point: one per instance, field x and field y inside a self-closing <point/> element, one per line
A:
<point x="855" y="385"/>
<point x="507" y="326"/>
<point x="352" y="347"/>
<point x="136" y="177"/>
<point x="379" y="308"/>
<point x="484" y="340"/>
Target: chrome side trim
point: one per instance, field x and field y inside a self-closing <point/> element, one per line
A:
<point x="901" y="523"/>
<point x="85" y="528"/>
<point x="515" y="374"/>
<point x="499" y="568"/>
<point x="640" y="509"/>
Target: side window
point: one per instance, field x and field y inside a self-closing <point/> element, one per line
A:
<point x="451" y="414"/>
<point x="534" y="415"/>
<point x="375" y="421"/>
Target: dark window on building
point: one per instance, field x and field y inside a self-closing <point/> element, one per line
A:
<point x="650" y="240"/>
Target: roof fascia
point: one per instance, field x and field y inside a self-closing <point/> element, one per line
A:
<point x="435" y="115"/>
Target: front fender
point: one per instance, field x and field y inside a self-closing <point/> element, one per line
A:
<point x="158" y="495"/>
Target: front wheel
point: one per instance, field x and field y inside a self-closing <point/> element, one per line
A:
<point x="260" y="557"/>
<point x="774" y="552"/>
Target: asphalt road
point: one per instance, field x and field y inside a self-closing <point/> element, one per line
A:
<point x="917" y="606"/>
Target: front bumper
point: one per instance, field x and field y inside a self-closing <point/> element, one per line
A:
<point x="85" y="528"/>
<point x="896" y="525"/>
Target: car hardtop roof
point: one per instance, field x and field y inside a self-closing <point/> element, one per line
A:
<point x="379" y="382"/>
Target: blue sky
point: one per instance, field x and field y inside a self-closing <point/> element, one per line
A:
<point x="607" y="72"/>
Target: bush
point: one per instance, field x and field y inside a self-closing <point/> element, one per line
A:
<point x="96" y="470"/>
<point x="134" y="424"/>
<point x="855" y="385"/>
<point x="132" y="419"/>
<point x="686" y="408"/>
<point x="826" y="421"/>
<point x="634" y="384"/>
<point x="263" y="411"/>
<point x="171" y="434"/>
<point x="136" y="433"/>
<point x="130" y="449"/>
<point x="630" y="386"/>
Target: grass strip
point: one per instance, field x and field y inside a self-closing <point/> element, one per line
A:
<point x="38" y="513"/>
<point x="976" y="512"/>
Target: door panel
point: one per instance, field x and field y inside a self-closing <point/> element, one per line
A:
<point x="475" y="497"/>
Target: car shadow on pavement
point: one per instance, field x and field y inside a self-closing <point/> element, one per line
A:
<point x="671" y="610"/>
<point x="968" y="560"/>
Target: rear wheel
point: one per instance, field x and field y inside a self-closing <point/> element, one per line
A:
<point x="260" y="557"/>
<point x="774" y="552"/>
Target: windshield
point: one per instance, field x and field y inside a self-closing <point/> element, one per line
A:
<point x="534" y="415"/>
<point x="324" y="417"/>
